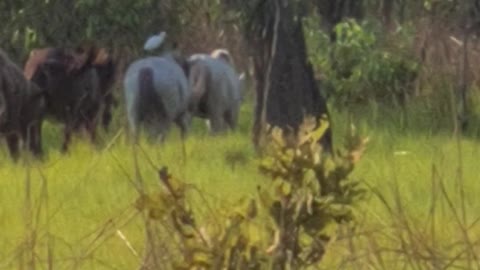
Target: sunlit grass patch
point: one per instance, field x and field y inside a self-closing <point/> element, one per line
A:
<point x="91" y="190"/>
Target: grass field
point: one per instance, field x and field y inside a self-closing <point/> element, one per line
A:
<point x="422" y="208"/>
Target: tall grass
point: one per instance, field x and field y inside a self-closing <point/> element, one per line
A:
<point x="77" y="212"/>
<point x="422" y="213"/>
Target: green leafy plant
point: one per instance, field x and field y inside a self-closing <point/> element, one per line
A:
<point x="289" y="223"/>
<point x="311" y="192"/>
<point x="232" y="242"/>
<point x="359" y="66"/>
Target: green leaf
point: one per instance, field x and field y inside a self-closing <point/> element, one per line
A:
<point x="286" y="189"/>
<point x="156" y="213"/>
<point x="265" y="197"/>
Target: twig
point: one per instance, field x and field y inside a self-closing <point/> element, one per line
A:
<point x="127" y="243"/>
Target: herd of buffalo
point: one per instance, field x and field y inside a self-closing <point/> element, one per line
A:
<point x="74" y="87"/>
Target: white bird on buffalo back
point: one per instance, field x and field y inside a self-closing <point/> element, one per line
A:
<point x="154" y="42"/>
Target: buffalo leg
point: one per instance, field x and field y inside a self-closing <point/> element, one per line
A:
<point x="12" y="142"/>
<point x="106" y="119"/>
<point x="133" y="112"/>
<point x="107" y="112"/>
<point x="216" y="122"/>
<point x="35" y="139"/>
<point x="216" y="114"/>
<point x="67" y="136"/>
<point x="157" y="130"/>
<point x="231" y="117"/>
<point x="183" y="122"/>
<point x="91" y="128"/>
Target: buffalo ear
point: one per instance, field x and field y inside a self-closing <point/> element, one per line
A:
<point x="36" y="58"/>
<point x="222" y="54"/>
<point x="102" y="57"/>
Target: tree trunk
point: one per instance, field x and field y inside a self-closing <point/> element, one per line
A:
<point x="286" y="88"/>
<point x="471" y="25"/>
<point x="333" y="11"/>
<point x="387" y="14"/>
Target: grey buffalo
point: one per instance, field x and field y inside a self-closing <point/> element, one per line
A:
<point x="157" y="94"/>
<point x="216" y="89"/>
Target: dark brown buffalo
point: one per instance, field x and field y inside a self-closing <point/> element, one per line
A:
<point x="77" y="85"/>
<point x="21" y="109"/>
<point x="106" y="67"/>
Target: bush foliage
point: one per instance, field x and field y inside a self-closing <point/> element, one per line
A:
<point x="288" y="224"/>
<point x="360" y="66"/>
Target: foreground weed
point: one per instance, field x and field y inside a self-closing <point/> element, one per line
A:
<point x="287" y="225"/>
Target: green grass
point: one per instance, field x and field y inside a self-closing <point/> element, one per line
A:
<point x="409" y="163"/>
<point x="90" y="191"/>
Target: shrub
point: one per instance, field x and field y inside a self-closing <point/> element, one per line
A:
<point x="289" y="223"/>
<point x="358" y="66"/>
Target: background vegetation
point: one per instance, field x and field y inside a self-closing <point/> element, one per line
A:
<point x="402" y="72"/>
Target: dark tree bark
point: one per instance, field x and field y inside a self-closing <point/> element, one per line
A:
<point x="334" y="11"/>
<point x="286" y="89"/>
<point x="402" y="6"/>
<point x="470" y="22"/>
<point x="387" y="14"/>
